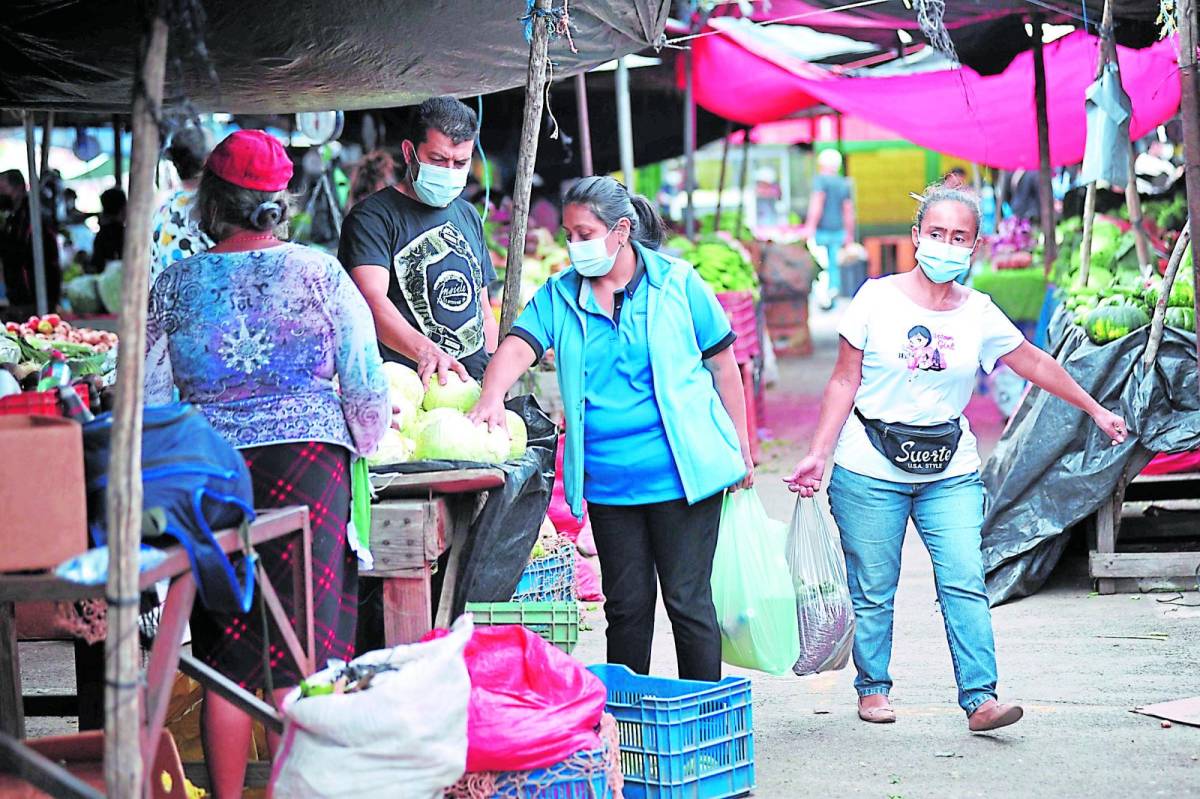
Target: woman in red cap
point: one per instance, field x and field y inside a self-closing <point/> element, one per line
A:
<point x="255" y="332"/>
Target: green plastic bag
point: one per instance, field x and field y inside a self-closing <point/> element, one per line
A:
<point x="752" y="588"/>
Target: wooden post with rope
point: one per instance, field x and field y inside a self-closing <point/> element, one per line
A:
<point x="535" y="98"/>
<point x="1158" y="322"/>
<point x="123" y="767"/>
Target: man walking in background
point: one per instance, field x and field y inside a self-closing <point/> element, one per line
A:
<point x="830" y="222"/>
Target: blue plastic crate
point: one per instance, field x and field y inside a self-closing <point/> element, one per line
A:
<point x="560" y="781"/>
<point x="548" y="579"/>
<point x="681" y="739"/>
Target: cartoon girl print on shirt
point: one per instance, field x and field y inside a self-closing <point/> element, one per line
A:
<point x="921" y="352"/>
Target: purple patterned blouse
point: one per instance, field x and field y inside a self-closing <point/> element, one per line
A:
<point x="273" y="345"/>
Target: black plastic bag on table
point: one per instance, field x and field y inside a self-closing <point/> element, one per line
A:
<point x="505" y="529"/>
<point x="823" y="607"/>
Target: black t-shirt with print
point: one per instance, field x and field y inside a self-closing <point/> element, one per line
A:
<point x="439" y="265"/>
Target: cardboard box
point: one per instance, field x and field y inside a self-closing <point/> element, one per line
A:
<point x="43" y="500"/>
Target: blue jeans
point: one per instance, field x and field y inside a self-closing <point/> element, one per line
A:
<point x="832" y="241"/>
<point x="872" y="515"/>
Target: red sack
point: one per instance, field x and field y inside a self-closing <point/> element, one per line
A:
<point x="587" y="582"/>
<point x="560" y="512"/>
<point x="531" y="705"/>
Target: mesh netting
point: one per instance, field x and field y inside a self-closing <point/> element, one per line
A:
<point x="570" y="779"/>
<point x="931" y="17"/>
<point x="85" y="618"/>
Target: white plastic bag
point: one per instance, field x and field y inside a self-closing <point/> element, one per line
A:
<point x="751" y="588"/>
<point x="405" y="736"/>
<point x="823" y="609"/>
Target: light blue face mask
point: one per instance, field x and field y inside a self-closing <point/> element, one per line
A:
<point x="942" y="262"/>
<point x="438" y="185"/>
<point x="590" y="258"/>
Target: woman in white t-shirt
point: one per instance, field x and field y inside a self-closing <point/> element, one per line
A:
<point x="910" y="347"/>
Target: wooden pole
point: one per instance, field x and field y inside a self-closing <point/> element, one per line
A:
<point x="34" y="198"/>
<point x="1160" y="309"/>
<point x="1189" y="36"/>
<point x="721" y="179"/>
<point x="1045" y="184"/>
<point x="118" y="153"/>
<point x="745" y="172"/>
<point x="689" y="146"/>
<point x="535" y="96"/>
<point x="585" y="125"/>
<point x="123" y="765"/>
<point x="624" y="123"/>
<point x="47" y="130"/>
<point x="1089" y="200"/>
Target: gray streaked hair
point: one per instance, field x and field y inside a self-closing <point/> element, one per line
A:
<point x="940" y="193"/>
<point x="223" y="208"/>
<point x="611" y="202"/>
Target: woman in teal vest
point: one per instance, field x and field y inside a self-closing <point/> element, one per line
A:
<point x="656" y="417"/>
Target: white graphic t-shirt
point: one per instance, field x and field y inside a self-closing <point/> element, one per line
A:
<point x="919" y="368"/>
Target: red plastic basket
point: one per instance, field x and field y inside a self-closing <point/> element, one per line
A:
<point x="39" y="403"/>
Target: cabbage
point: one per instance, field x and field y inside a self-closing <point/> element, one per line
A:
<point x="403" y="384"/>
<point x="10" y="350"/>
<point x="425" y="417"/>
<point x="394" y="448"/>
<point x="457" y="393"/>
<point x="84" y="295"/>
<point x="109" y="285"/>
<point x="448" y="435"/>
<point x="404" y="413"/>
<point x="517" y="433"/>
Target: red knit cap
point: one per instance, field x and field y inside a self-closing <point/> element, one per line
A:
<point x="251" y="159"/>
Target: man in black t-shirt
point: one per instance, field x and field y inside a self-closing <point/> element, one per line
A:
<point x="416" y="251"/>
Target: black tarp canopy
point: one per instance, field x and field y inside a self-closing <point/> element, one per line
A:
<point x="304" y="55"/>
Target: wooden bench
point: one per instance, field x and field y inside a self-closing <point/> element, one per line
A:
<point x="1161" y="568"/>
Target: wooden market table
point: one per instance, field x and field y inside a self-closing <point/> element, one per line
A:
<point x="166" y="656"/>
<point x="1113" y="568"/>
<point x="416" y="518"/>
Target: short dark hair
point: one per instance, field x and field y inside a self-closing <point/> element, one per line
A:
<point x="112" y="201"/>
<point x="14" y="178"/>
<point x="188" y="148"/>
<point x="446" y="114"/>
<point x="921" y="330"/>
<point x="223" y="208"/>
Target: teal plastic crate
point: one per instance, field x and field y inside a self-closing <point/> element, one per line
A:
<point x="681" y="739"/>
<point x="560" y="781"/>
<point x="548" y="579"/>
<point x="557" y="622"/>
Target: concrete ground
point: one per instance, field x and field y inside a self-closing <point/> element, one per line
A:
<point x="1079" y="663"/>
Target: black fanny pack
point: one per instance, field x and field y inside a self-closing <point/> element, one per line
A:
<point x="917" y="449"/>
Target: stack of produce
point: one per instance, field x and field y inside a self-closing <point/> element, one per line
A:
<point x="722" y="261"/>
<point x="28" y="347"/>
<point x="432" y="424"/>
<point x="1012" y="245"/>
<point x="1117" y="298"/>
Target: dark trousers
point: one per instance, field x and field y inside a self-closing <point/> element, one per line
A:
<point x="676" y="541"/>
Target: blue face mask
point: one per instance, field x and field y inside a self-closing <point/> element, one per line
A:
<point x="942" y="262"/>
<point x="590" y="258"/>
<point x="438" y="185"/>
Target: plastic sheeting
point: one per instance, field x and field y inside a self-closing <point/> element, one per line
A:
<point x="305" y="56"/>
<point x="1054" y="467"/>
<point x="505" y="529"/>
<point x="749" y="78"/>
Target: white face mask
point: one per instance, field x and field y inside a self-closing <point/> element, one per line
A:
<point x="437" y="186"/>
<point x="590" y="258"/>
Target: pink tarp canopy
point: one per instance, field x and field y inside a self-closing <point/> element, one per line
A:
<point x="743" y="75"/>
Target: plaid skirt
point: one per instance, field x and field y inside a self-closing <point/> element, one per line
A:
<point x="305" y="473"/>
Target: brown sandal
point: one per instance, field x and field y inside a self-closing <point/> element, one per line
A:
<point x="877" y="715"/>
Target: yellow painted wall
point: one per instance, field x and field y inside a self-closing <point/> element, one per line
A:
<point x="883" y="179"/>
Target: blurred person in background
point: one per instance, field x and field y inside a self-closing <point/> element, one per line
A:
<point x="110" y="239"/>
<point x="16" y="249"/>
<point x="176" y="232"/>
<point x="376" y="170"/>
<point x="830" y="221"/>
